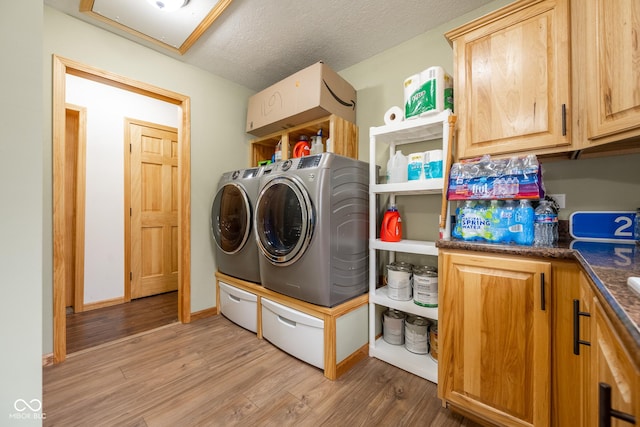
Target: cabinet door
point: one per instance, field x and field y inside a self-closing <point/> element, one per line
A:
<point x="613" y="69"/>
<point x="494" y="336"/>
<point x="512" y="79"/>
<point x="612" y="365"/>
<point x="571" y="346"/>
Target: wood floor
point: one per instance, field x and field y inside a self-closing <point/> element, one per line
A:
<point x="214" y="373"/>
<point x="91" y="328"/>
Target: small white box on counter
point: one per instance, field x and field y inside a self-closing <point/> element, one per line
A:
<point x="312" y="93"/>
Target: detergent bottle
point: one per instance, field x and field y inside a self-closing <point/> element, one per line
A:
<point x="391" y="229"/>
<point x="316" y="144"/>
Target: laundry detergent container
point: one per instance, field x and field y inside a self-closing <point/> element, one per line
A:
<point x="295" y="332"/>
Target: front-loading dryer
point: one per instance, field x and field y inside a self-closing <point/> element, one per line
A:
<point x="236" y="251"/>
<point x="311" y="221"/>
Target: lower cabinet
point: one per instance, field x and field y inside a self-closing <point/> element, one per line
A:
<point x="614" y="391"/>
<point x="516" y="353"/>
<point x="332" y="339"/>
<point x="495" y="358"/>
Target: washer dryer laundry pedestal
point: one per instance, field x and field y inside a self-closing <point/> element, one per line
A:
<point x="312" y="228"/>
<point x="232" y="224"/>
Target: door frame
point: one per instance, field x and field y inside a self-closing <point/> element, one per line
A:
<point x="62" y="67"/>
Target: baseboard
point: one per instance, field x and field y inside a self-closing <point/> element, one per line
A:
<point x="351" y="360"/>
<point x="104" y="303"/>
<point x="202" y="314"/>
<point x="47" y="359"/>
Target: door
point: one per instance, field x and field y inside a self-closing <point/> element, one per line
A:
<point x="612" y="68"/>
<point x="231" y="218"/>
<point x="284" y="220"/>
<point x="153" y="196"/>
<point x="512" y="80"/>
<point x="495" y="356"/>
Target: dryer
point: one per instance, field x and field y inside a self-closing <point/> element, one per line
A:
<point x="236" y="251"/>
<point x="312" y="228"/>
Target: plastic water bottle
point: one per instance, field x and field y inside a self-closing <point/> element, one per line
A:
<point x="545" y="225"/>
<point x="523" y="227"/>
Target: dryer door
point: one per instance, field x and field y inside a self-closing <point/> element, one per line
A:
<point x="231" y="218"/>
<point x="284" y="220"/>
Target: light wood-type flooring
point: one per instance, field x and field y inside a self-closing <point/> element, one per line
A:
<point x="94" y="327"/>
<point x="214" y="373"/>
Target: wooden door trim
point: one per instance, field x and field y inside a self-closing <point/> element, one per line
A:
<point x="62" y="67"/>
<point x="80" y="186"/>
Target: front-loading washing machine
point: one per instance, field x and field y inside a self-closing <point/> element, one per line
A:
<point x="232" y="228"/>
<point x="312" y="228"/>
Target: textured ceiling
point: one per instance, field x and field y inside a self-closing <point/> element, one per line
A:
<point x="256" y="43"/>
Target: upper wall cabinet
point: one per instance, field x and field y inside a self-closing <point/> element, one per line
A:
<point x="511" y="80"/>
<point x="611" y="45"/>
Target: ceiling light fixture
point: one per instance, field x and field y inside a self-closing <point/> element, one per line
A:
<point x="168" y="5"/>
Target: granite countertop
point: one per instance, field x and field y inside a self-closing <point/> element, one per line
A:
<point x="607" y="264"/>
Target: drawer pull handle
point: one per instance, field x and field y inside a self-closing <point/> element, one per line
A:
<point x="287" y="322"/>
<point x="542" y="293"/>
<point x="604" y="408"/>
<point x="564" y="119"/>
<point x="576" y="327"/>
<point x="234" y="298"/>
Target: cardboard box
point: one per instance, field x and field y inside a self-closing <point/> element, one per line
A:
<point x="314" y="92"/>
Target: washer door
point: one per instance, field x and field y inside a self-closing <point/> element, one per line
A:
<point x="231" y="218"/>
<point x="284" y="220"/>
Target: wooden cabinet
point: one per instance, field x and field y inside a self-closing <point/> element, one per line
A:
<point x="614" y="373"/>
<point x="512" y="80"/>
<point x="343" y="135"/>
<point x="611" y="72"/>
<point x="495" y="336"/>
<point x="571" y="350"/>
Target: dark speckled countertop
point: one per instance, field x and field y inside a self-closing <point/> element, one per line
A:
<point x="607" y="264"/>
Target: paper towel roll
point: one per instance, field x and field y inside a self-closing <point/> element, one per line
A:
<point x="393" y="115"/>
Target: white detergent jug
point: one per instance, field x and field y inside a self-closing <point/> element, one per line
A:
<point x="397" y="168"/>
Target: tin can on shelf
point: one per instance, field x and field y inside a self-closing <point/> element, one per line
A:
<point x="425" y="286"/>
<point x="433" y="341"/>
<point x="393" y="326"/>
<point x="416" y="338"/>
<point x="399" y="281"/>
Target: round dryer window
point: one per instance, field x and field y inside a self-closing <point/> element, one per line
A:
<point x="284" y="221"/>
<point x="231" y="218"/>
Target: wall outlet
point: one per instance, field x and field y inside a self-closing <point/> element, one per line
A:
<point x="560" y="199"/>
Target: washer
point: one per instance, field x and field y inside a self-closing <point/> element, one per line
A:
<point x="232" y="224"/>
<point x="312" y="228"/>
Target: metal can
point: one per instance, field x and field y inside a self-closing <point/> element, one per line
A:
<point x="416" y="334"/>
<point x="399" y="281"/>
<point x="433" y="341"/>
<point x="393" y="326"/>
<point x="425" y="286"/>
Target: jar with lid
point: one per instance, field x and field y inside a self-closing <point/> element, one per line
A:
<point x="425" y="286"/>
<point x="399" y="280"/>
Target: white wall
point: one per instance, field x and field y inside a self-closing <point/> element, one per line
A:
<point x="21" y="207"/>
<point x="218" y="140"/>
<point x="107" y="107"/>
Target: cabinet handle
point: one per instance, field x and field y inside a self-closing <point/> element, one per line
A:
<point x="564" y="119"/>
<point x="542" y="293"/>
<point x="576" y="327"/>
<point x="604" y="408"/>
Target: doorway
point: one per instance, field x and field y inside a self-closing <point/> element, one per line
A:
<point x="61" y="232"/>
